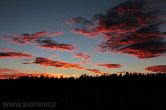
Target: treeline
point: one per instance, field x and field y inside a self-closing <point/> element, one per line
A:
<point x="129" y="91"/>
<point x="124" y="76"/>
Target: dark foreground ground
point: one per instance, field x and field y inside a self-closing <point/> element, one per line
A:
<point x="129" y="92"/>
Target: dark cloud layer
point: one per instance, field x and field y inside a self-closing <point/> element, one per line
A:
<point x="58" y="64"/>
<point x="15" y="55"/>
<point x="43" y="39"/>
<point x="132" y="27"/>
<point x="53" y="45"/>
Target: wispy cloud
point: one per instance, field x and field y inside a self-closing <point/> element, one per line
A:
<point x="7" y="70"/>
<point x="85" y="32"/>
<point x="55" y="34"/>
<point x="26" y="38"/>
<point x="95" y="71"/>
<point x="158" y="68"/>
<point x="82" y="56"/>
<point x="6" y="49"/>
<point x="110" y="65"/>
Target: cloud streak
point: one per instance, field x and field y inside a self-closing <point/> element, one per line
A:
<point x="95" y="71"/>
<point x="110" y="65"/>
<point x="61" y="64"/>
<point x="15" y="55"/>
<point x="158" y="68"/>
<point x="57" y="64"/>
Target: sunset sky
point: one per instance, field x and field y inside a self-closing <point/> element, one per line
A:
<point x="75" y="37"/>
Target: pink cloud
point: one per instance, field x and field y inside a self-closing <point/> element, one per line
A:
<point x="95" y="71"/>
<point x="53" y="56"/>
<point x="56" y="34"/>
<point x="158" y="68"/>
<point x="6" y="49"/>
<point x="82" y="56"/>
<point x="40" y="34"/>
<point x="110" y="65"/>
<point x="25" y="38"/>
<point x="85" y="33"/>
<point x="61" y="64"/>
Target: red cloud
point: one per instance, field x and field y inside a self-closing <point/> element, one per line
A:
<point x="40" y="34"/>
<point x="15" y="55"/>
<point x="60" y="64"/>
<point x="6" y="73"/>
<point x="131" y="28"/>
<point x="158" y="68"/>
<point x="110" y="65"/>
<point x="42" y="39"/>
<point x="26" y="38"/>
<point x="85" y="33"/>
<point x="53" y="45"/>
<point x="95" y="71"/>
<point x="83" y="56"/>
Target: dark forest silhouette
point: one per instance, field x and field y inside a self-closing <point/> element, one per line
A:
<point x="131" y="91"/>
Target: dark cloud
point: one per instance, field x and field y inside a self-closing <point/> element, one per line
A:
<point x="53" y="45"/>
<point x="158" y="68"/>
<point x="15" y="55"/>
<point x="132" y="27"/>
<point x="110" y="65"/>
<point x="42" y="39"/>
<point x="58" y="64"/>
<point x="25" y="38"/>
